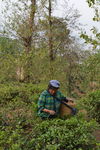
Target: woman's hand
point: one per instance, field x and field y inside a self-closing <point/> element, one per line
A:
<point x="51" y="112"/>
<point x="71" y="100"/>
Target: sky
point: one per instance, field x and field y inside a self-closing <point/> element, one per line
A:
<point x="85" y="11"/>
<point x="83" y="8"/>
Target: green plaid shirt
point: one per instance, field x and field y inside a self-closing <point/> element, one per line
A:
<point x="47" y="101"/>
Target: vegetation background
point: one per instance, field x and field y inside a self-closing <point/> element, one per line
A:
<point x="35" y="47"/>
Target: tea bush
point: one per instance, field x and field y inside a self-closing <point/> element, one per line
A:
<point x="92" y="104"/>
<point x="21" y="129"/>
<point x="23" y="92"/>
<point x="18" y="102"/>
<point x="57" y="134"/>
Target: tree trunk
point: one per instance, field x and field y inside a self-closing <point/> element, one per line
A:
<point x="20" y="73"/>
<point x="28" y="39"/>
<point x="69" y="80"/>
<point x="51" y="55"/>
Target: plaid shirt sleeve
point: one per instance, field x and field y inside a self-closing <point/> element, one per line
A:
<point x="41" y="102"/>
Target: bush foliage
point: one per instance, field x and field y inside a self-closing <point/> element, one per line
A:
<point x="74" y="133"/>
<point x="92" y="104"/>
<point x="21" y="129"/>
<point x="23" y="92"/>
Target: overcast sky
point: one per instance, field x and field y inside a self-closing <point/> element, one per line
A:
<point x="86" y="12"/>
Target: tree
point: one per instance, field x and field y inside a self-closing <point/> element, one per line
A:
<point x="95" y="39"/>
<point x="46" y="39"/>
<point x="50" y="32"/>
<point x="20" y="22"/>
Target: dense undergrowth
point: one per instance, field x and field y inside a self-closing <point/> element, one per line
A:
<point x="91" y="103"/>
<point x="21" y="129"/>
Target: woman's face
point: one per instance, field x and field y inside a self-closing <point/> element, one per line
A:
<point x="53" y="91"/>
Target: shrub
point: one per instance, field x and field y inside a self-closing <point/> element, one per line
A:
<point x="18" y="103"/>
<point x="23" y="92"/>
<point x="92" y="104"/>
<point x="21" y="130"/>
<point x="57" y="134"/>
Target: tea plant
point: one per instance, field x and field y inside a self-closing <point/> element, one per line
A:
<point x="92" y="104"/>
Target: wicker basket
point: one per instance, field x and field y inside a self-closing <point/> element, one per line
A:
<point x="64" y="111"/>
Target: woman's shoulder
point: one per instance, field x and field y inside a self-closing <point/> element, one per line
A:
<point x="44" y="92"/>
<point x="59" y="93"/>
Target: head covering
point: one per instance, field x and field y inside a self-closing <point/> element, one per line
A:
<point x="54" y="83"/>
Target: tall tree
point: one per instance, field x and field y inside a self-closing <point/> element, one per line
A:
<point x="50" y="32"/>
<point x="20" y="22"/>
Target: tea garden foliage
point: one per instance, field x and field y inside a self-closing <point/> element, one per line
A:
<point x="22" y="79"/>
<point x="54" y="134"/>
<point x="91" y="103"/>
<point x="20" y="128"/>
